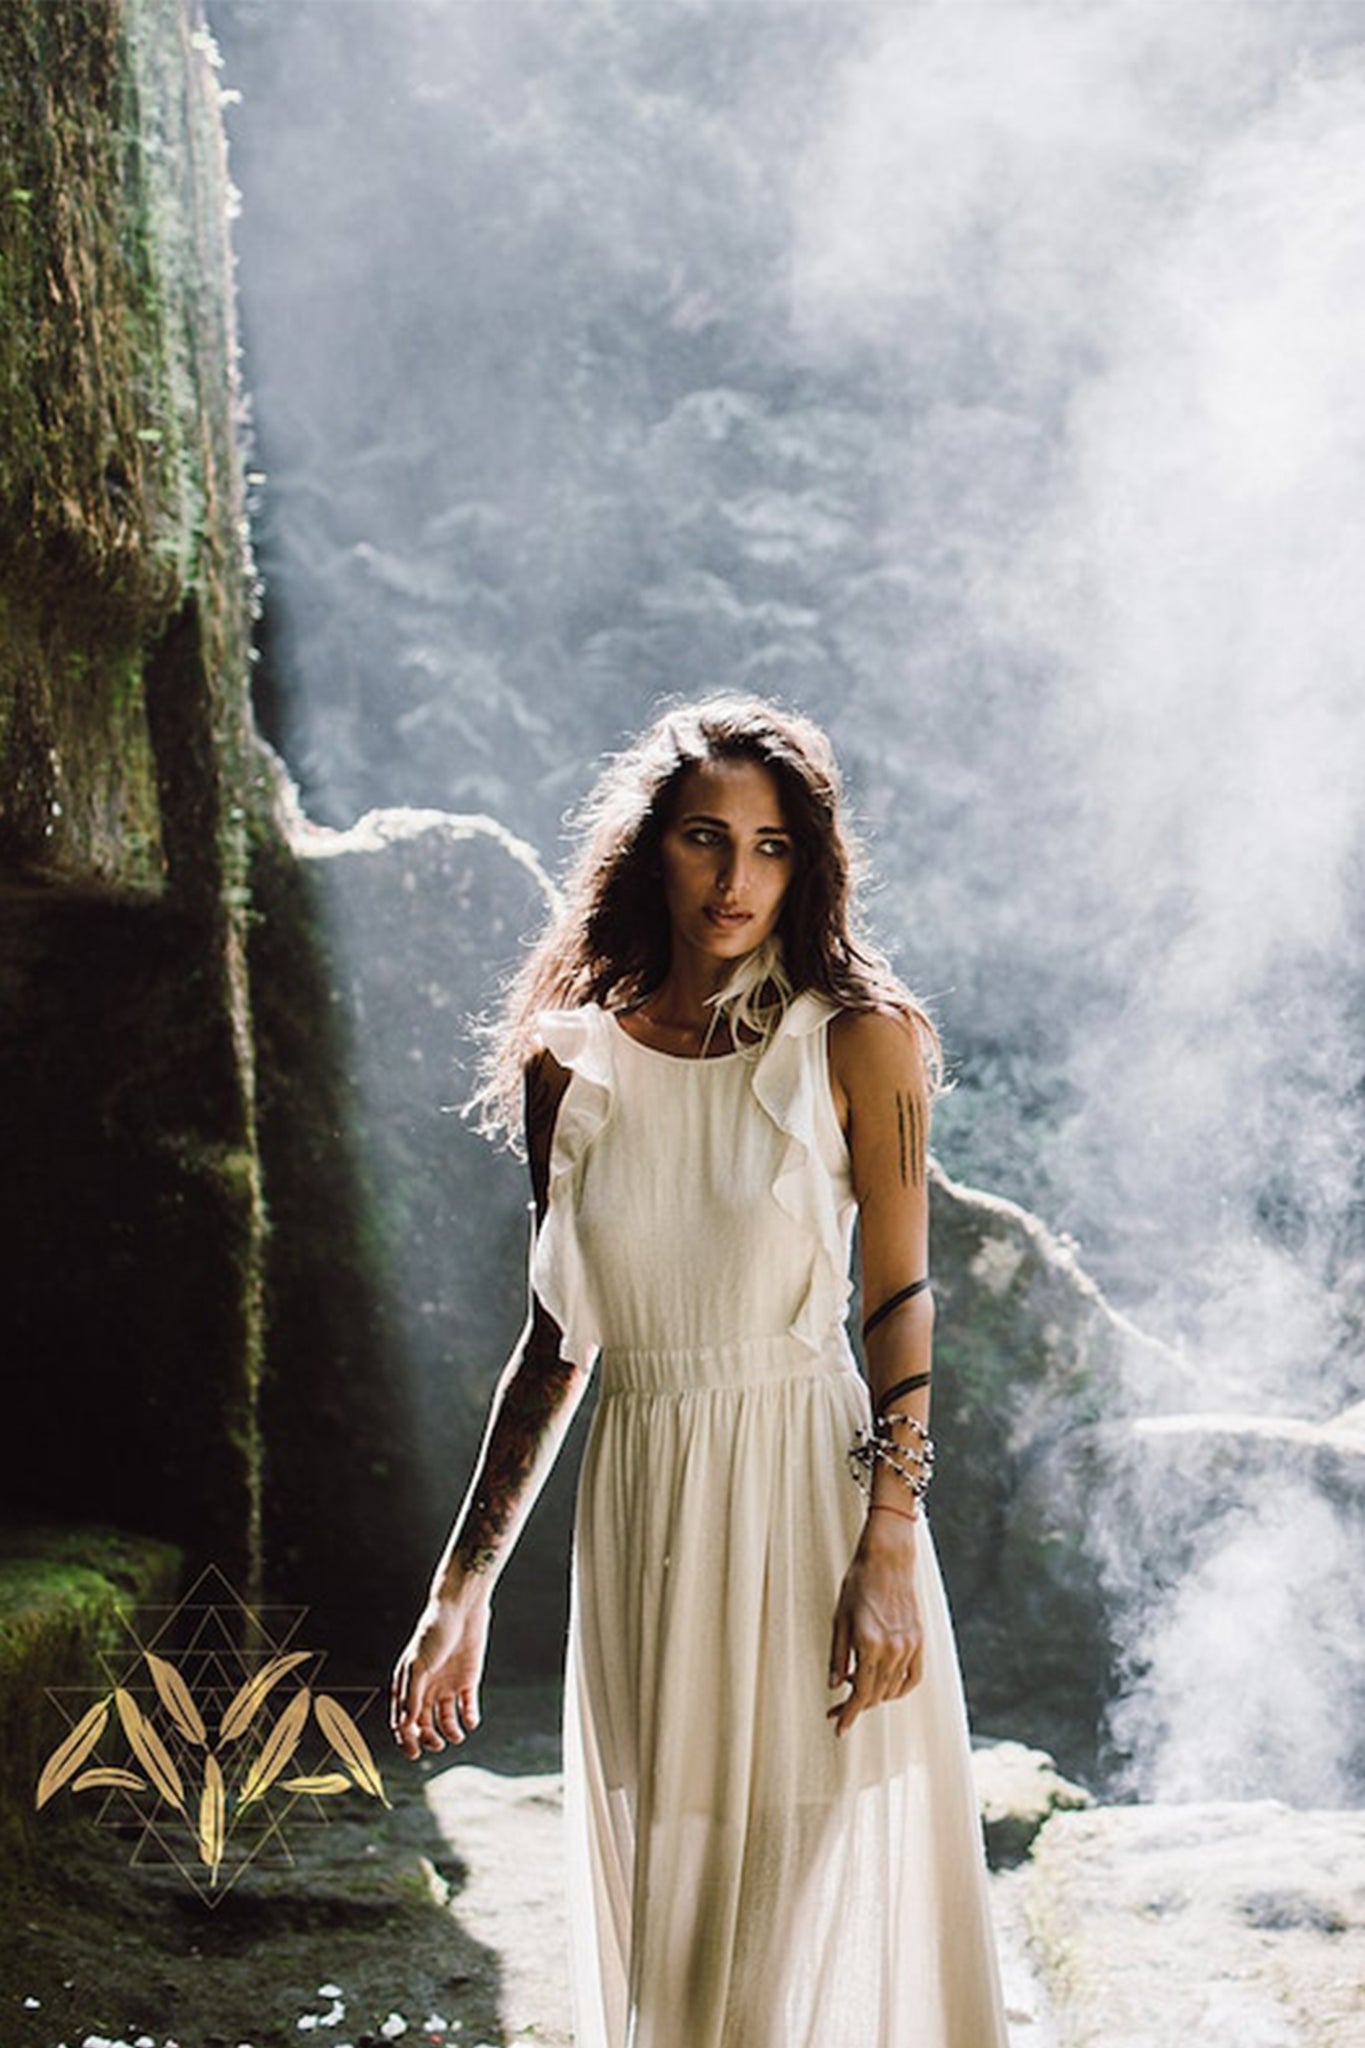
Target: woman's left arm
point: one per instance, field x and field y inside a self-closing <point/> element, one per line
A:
<point x="881" y="1089"/>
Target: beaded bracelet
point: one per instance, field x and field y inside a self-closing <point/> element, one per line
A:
<point x="876" y="1446"/>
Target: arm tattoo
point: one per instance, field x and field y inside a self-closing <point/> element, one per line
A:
<point x="530" y="1403"/>
<point x="910" y="1132"/>
<point x="532" y="1396"/>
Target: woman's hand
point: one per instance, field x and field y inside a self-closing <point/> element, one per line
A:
<point x="877" y="1643"/>
<point x="434" y="1697"/>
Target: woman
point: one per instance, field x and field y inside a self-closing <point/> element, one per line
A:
<point x="716" y="1078"/>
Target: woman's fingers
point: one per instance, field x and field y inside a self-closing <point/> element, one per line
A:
<point x="840" y="1649"/>
<point x="866" y="1689"/>
<point x="401" y="1689"/>
<point x="879" y="1671"/>
<point x="434" y="1696"/>
<point x="457" y="1713"/>
<point x="429" y="1719"/>
<point x="913" y="1672"/>
<point x="407" y="1711"/>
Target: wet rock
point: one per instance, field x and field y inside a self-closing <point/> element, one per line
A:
<point x="1029" y="1358"/>
<point x="1018" y="1789"/>
<point x="1210" y="1922"/>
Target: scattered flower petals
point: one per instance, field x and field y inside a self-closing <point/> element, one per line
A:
<point x="434" y="2024"/>
<point x="393" y="2026"/>
<point x="32" y="2004"/>
<point x="329" y="1991"/>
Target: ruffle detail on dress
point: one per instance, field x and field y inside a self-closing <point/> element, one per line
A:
<point x="580" y="1040"/>
<point x="785" y="1080"/>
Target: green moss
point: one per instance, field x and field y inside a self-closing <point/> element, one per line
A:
<point x="67" y="1595"/>
<point x="80" y="298"/>
<point x="120" y="493"/>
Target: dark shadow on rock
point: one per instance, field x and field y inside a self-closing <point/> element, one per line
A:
<point x="128" y="1250"/>
<point x="396" y="1265"/>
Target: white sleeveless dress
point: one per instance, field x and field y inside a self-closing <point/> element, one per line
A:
<point x="739" y="1878"/>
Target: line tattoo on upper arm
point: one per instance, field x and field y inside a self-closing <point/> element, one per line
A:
<point x="910" y="1137"/>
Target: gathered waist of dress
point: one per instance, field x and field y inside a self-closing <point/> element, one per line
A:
<point x="739" y="1363"/>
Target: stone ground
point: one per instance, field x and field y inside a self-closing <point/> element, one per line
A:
<point x="1219" y="1923"/>
<point x="1131" y="1927"/>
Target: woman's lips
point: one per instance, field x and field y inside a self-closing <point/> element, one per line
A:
<point x="728" y="919"/>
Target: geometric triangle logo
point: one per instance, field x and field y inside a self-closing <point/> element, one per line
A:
<point x="212" y="1738"/>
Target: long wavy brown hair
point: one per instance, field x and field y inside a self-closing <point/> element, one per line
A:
<point x="609" y="942"/>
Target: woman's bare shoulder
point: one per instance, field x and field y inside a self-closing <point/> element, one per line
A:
<point x="543" y="1076"/>
<point x="875" y="1057"/>
<point x="876" y="1045"/>
<point x="544" y="1081"/>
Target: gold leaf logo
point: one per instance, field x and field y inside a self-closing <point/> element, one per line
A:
<point x="350" y="1745"/>
<point x="175" y="1698"/>
<point x="324" y="1782"/>
<point x="70" y="1754"/>
<point x="212" y="1817"/>
<point x="165" y="1723"/>
<point x="128" y="1781"/>
<point x="150" y="1751"/>
<point x="247" y="1702"/>
<point x="278" y="1748"/>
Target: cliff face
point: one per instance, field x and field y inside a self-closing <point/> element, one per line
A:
<point x="177" y="1045"/>
<point x="131" y="1252"/>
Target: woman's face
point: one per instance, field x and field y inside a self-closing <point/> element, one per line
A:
<point x="728" y="858"/>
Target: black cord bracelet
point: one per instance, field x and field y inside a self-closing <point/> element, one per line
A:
<point x="903" y="1294"/>
<point x="910" y="1386"/>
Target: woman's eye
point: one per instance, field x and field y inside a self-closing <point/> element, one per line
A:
<point x="778" y="849"/>
<point x="702" y="835"/>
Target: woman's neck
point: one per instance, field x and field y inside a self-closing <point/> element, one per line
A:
<point x="679" y="1016"/>
<point x="682" y="1001"/>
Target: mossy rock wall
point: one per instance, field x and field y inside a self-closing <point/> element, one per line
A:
<point x="132" y="1250"/>
<point x="69" y="1598"/>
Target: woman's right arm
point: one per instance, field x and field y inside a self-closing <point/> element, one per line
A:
<point x="435" y="1691"/>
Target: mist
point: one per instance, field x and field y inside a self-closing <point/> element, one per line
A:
<point x="985" y="380"/>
